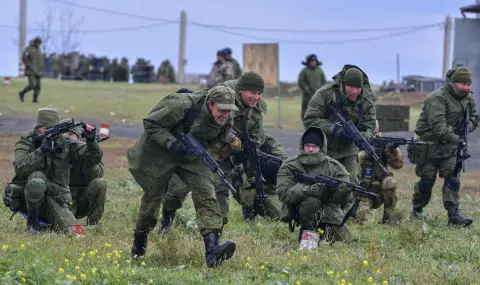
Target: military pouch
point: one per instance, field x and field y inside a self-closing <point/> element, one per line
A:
<point x="12" y="197"/>
<point x="417" y="153"/>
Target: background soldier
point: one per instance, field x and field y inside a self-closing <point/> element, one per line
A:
<point x="158" y="154"/>
<point x="221" y="71"/>
<point x="385" y="187"/>
<point x="310" y="79"/>
<point x="166" y="73"/>
<point x="440" y="125"/>
<point x="34" y="61"/>
<point x="237" y="69"/>
<point x="87" y="185"/>
<point x="350" y="94"/>
<point x="317" y="206"/>
<point x="45" y="169"/>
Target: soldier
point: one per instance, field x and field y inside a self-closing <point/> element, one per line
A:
<point x="440" y="125"/>
<point x="237" y="69"/>
<point x="87" y="185"/>
<point x="34" y="61"/>
<point x="158" y="154"/>
<point x="317" y="207"/>
<point x="385" y="187"/>
<point x="248" y="89"/>
<point x="43" y="168"/>
<point x="310" y="79"/>
<point x="166" y="73"/>
<point x="350" y="93"/>
<point x="221" y="71"/>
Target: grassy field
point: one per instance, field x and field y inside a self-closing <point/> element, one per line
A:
<point x="127" y="103"/>
<point x="267" y="253"/>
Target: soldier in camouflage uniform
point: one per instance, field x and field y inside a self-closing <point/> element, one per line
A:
<point x="87" y="185"/>
<point x="248" y="91"/>
<point x="34" y="61"/>
<point x="222" y="70"/>
<point x="45" y="174"/>
<point x="440" y="125"/>
<point x="237" y="69"/>
<point x="350" y="93"/>
<point x="385" y="187"/>
<point x="317" y="207"/>
<point x="310" y="79"/>
<point x="158" y="154"/>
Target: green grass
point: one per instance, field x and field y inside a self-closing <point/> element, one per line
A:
<point x="267" y="253"/>
<point x="122" y="102"/>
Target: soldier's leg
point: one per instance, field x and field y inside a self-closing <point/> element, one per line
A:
<point x="450" y="193"/>
<point x="309" y="215"/>
<point x="389" y="193"/>
<point x="335" y="233"/>
<point x="36" y="89"/>
<point x="59" y="215"/>
<point x="31" y="85"/>
<point x="352" y="165"/>
<point x="95" y="195"/>
<point x="35" y="191"/>
<point x="222" y="191"/>
<point x="367" y="206"/>
<point x="176" y="194"/>
<point x="209" y="218"/>
<point x="273" y="205"/>
<point x="422" y="191"/>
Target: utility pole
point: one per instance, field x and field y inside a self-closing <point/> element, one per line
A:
<point x="22" y="35"/>
<point x="182" y="47"/>
<point x="398" y="68"/>
<point x="478" y="14"/>
<point x="447" y="46"/>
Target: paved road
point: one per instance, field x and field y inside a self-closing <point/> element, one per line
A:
<point x="288" y="138"/>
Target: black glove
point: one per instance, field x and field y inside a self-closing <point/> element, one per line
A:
<point x="180" y="148"/>
<point x="390" y="146"/>
<point x="338" y="130"/>
<point x="317" y="190"/>
<point x="46" y="145"/>
<point x="89" y="135"/>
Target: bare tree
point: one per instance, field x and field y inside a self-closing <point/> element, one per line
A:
<point x="45" y="29"/>
<point x="69" y="29"/>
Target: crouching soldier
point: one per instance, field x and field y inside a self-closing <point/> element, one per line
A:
<point x="375" y="181"/>
<point x="317" y="207"/>
<point x="42" y="170"/>
<point x="87" y="185"/>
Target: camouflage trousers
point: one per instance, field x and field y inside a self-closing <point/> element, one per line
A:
<point x="209" y="218"/>
<point x="89" y="200"/>
<point x="34" y="83"/>
<point x="428" y="173"/>
<point x="311" y="212"/>
<point x="386" y="189"/>
<point x="51" y="200"/>
<point x="352" y="165"/>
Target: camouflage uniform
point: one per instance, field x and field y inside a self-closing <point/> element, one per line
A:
<point x="385" y="187"/>
<point x="273" y="207"/>
<point x="222" y="70"/>
<point x="237" y="69"/>
<point x="45" y="175"/>
<point x="87" y="185"/>
<point x="361" y="112"/>
<point x="440" y="125"/>
<point x="34" y="61"/>
<point x="158" y="155"/>
<point x="310" y="79"/>
<point x="316" y="206"/>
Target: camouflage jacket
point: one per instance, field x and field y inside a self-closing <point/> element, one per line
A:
<point x="442" y="117"/>
<point x="390" y="158"/>
<point x="319" y="114"/>
<point x="220" y="73"/>
<point x="82" y="173"/>
<point x="152" y="149"/>
<point x="33" y="60"/>
<point x="293" y="193"/>
<point x="237" y="69"/>
<point x="310" y="80"/>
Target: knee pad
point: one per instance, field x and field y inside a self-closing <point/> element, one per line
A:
<point x="425" y="184"/>
<point x="389" y="184"/>
<point x="453" y="183"/>
<point x="98" y="185"/>
<point x="35" y="190"/>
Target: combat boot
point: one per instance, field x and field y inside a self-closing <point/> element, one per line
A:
<point x="454" y="217"/>
<point x="139" y="247"/>
<point x="248" y="213"/>
<point x="21" y="95"/>
<point x="35" y="98"/>
<point x="418" y="214"/>
<point x="215" y="254"/>
<point x="33" y="222"/>
<point x="166" y="222"/>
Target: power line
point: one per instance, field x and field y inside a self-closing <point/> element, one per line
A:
<point x="94" y="31"/>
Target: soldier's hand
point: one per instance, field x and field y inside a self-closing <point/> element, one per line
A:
<point x="391" y="146"/>
<point x="317" y="190"/>
<point x="461" y="143"/>
<point x="179" y="148"/>
<point x="341" y="188"/>
<point x="252" y="179"/>
<point x="46" y="145"/>
<point x="236" y="144"/>
<point x="338" y="130"/>
<point x="89" y="132"/>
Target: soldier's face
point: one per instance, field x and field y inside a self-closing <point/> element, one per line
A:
<point x="313" y="63"/>
<point x="250" y="98"/>
<point x="311" y="148"/>
<point x="463" y="86"/>
<point x="352" y="92"/>
<point x="41" y="130"/>
<point x="220" y="116"/>
<point x="220" y="58"/>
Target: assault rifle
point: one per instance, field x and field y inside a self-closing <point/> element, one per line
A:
<point x="53" y="131"/>
<point x="358" y="139"/>
<point x="462" y="148"/>
<point x="383" y="141"/>
<point x="99" y="139"/>
<point x="196" y="148"/>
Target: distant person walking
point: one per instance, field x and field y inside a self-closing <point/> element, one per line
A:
<point x="33" y="60"/>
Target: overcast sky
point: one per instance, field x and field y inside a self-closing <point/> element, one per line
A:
<point x="420" y="52"/>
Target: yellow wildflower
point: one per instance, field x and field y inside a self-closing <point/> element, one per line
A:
<point x="329" y="272"/>
<point x="83" y="254"/>
<point x="320" y="231"/>
<point x="345" y="273"/>
<point x="66" y="260"/>
<point x="143" y="263"/>
<point x="132" y="272"/>
<point x="365" y="262"/>
<point x="61" y="270"/>
<point x="22" y="246"/>
<point x="77" y="267"/>
<point x="107" y="244"/>
<point x="4" y="247"/>
<point x="249" y="259"/>
<point x="93" y="270"/>
<point x="80" y="260"/>
<point x="20" y="273"/>
<point x="370" y="279"/>
<point x="246" y="265"/>
<point x="344" y="281"/>
<point x="23" y="280"/>
<point x="150" y="281"/>
<point x="379" y="271"/>
<point x="262" y="267"/>
<point x="298" y="282"/>
<point x="385" y="282"/>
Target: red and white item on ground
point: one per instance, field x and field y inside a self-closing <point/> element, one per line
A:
<point x="309" y="240"/>
<point x="6" y="81"/>
<point x="104" y="130"/>
<point x="78" y="230"/>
